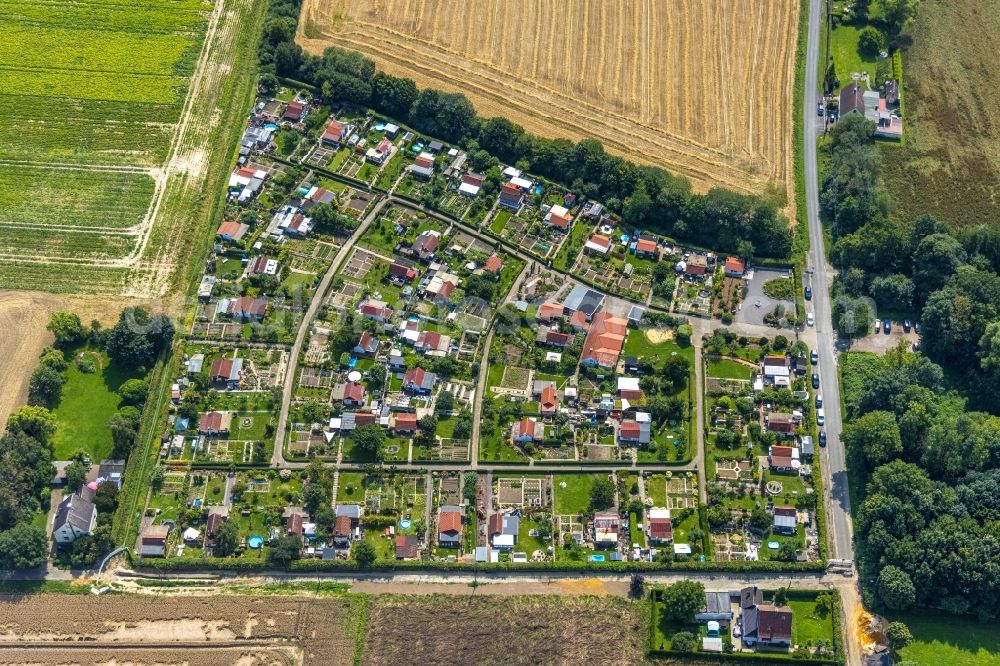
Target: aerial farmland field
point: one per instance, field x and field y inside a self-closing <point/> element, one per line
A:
<point x="700" y="88"/>
<point x="114" y="115"/>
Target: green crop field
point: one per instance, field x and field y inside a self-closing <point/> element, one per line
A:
<point x="88" y="83"/>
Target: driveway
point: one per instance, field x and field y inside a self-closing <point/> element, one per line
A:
<point x="757" y="303"/>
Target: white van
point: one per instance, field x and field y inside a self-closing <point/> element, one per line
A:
<point x="820" y="417"/>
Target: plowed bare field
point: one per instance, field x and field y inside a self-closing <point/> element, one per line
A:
<point x="56" y="629"/>
<point x="503" y="630"/>
<point x="700" y="87"/>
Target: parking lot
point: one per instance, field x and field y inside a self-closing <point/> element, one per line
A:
<point x="757" y="303"/>
<point x="880" y="343"/>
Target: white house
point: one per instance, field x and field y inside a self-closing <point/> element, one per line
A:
<point x="76" y="516"/>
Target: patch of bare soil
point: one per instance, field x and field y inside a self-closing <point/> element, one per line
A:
<point x="23" y="317"/>
<point x="137" y="629"/>
<point x="503" y="630"/>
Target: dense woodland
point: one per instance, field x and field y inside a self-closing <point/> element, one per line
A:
<point x="646" y="197"/>
<point x="928" y="528"/>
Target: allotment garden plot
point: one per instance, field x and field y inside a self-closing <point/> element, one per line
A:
<point x="93" y="94"/>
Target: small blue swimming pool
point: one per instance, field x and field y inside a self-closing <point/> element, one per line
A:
<point x="379" y="127"/>
<point x="596" y="558"/>
<point x="405" y="524"/>
<point x="353" y="362"/>
<point x="538" y="189"/>
<point x="270" y="126"/>
<point x="773" y="545"/>
<point x="256" y="541"/>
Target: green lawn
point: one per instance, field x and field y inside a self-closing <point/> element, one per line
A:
<point x="575" y="497"/>
<point x="500" y="221"/>
<point x="570" y="248"/>
<point x="844" y="50"/>
<point x="88" y="401"/>
<point x="939" y="638"/>
<point x="350" y="488"/>
<point x="807" y="626"/>
<point x="638" y="344"/>
<point x="727" y="369"/>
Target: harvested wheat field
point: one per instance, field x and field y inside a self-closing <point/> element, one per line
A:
<point x="133" y="629"/>
<point x="23" y="317"/>
<point x="703" y="88"/>
<point x="503" y="630"/>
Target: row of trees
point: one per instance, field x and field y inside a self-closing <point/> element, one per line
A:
<point x="647" y="197"/>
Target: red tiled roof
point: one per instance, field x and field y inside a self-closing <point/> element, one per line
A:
<point x="661" y="528"/>
<point x="549" y="400"/>
<point x="496" y="523"/>
<point x="787" y="511"/>
<point x="605" y="340"/>
<point x="414" y="376"/>
<point x="735" y="265"/>
<point x="210" y="421"/>
<point x="405" y="421"/>
<point x="425" y="162"/>
<point x="526" y="427"/>
<point x="406" y="546"/>
<point x="550" y="310"/>
<point x="355" y="392"/>
<point x="429" y="339"/>
<point x="630" y="429"/>
<point x="493" y="264"/>
<point x="221" y="368"/>
<point x="450" y="521"/>
<point x="644" y="245"/>
<point x="559" y="221"/>
<point x="603" y="241"/>
<point x="334" y="131"/>
<point x="228" y="228"/>
<point x="781" y="451"/>
<point x="342" y="526"/>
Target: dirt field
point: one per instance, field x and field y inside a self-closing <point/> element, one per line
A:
<point x="503" y="630"/>
<point x="190" y="630"/>
<point x="701" y="88"/>
<point x="23" y="316"/>
<point x="949" y="164"/>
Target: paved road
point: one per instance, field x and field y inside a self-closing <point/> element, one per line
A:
<point x="699" y="416"/>
<point x="278" y="457"/>
<point x="834" y="467"/>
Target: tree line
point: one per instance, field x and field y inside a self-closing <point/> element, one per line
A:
<point x="647" y="197"/>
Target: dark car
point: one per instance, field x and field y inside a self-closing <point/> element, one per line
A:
<point x="906" y="325"/>
<point x="819" y="109"/>
<point x="815" y="381"/>
<point x="819" y="401"/>
<point x="887" y="326"/>
<point x="809" y="293"/>
<point x="814" y="357"/>
<point x="822" y="437"/>
<point x="916" y="327"/>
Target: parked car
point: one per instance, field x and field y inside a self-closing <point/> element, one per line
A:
<point x="822" y="437"/>
<point x="878" y="325"/>
<point x="808" y="293"/>
<point x="819" y="109"/>
<point x="887" y="326"/>
<point x="810" y="319"/>
<point x="814" y="357"/>
<point x="820" y="417"/>
<point x="819" y="401"/>
<point x="815" y="381"/>
<point x="906" y="326"/>
<point x="916" y="327"/>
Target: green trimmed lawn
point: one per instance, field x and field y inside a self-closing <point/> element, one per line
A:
<point x="500" y="221"/>
<point x="727" y="369"/>
<point x="350" y="488"/>
<point x="638" y="344"/>
<point x="844" y="50"/>
<point x="939" y="638"/>
<point x="88" y="402"/>
<point x="807" y="626"/>
<point x="575" y="497"/>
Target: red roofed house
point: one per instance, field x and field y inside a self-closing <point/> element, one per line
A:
<point x="405" y="424"/>
<point x="781" y="458"/>
<point x="407" y="547"/>
<point x="401" y="271"/>
<point x="526" y="430"/>
<point x="231" y="230"/>
<point x="598" y="244"/>
<point x="604" y="341"/>
<point x="247" y="308"/>
<point x="780" y="422"/>
<point x="659" y="528"/>
<point x="294" y="524"/>
<point x="367" y="345"/>
<point x="334" y="133"/>
<point x="646" y="247"/>
<point x="767" y="625"/>
<point x="426" y="244"/>
<point x="294" y="112"/>
<point x="215" y="423"/>
<point x="550" y="311"/>
<point x="432" y="341"/>
<point x="418" y="380"/>
<point x="376" y="311"/>
<point x="579" y="321"/>
<point x="558" y="221"/>
<point x="493" y="264"/>
<point x="549" y="401"/>
<point x="354" y="395"/>
<point x="734" y="267"/>
<point x="510" y="197"/>
<point x="696" y="266"/>
<point x="554" y="338"/>
<point x="450" y="527"/>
